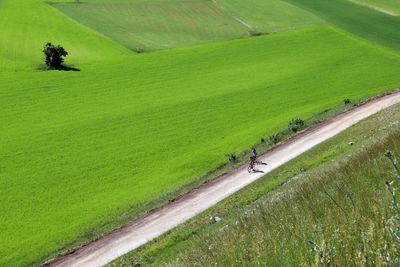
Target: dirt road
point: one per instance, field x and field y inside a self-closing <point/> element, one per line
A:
<point x="152" y="225"/>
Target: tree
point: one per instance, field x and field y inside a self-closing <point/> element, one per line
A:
<point x="54" y="56"/>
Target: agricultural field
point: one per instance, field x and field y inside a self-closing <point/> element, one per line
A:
<point x="373" y="25"/>
<point x="269" y="16"/>
<point x="154" y="25"/>
<point x="82" y="152"/>
<point x="390" y="7"/>
<point x="329" y="205"/>
<point x="27" y="25"/>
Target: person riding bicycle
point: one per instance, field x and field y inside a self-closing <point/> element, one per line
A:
<point x="253" y="159"/>
<point x="252" y="163"/>
<point x="254" y="152"/>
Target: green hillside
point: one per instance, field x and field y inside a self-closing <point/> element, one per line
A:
<point x="268" y="16"/>
<point x="83" y="152"/>
<point x="370" y="24"/>
<point x="153" y="25"/>
<point x="80" y="148"/>
<point x="329" y="206"/>
<point x="390" y="7"/>
<point x="26" y="25"/>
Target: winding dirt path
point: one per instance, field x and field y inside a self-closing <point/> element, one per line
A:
<point x="157" y="222"/>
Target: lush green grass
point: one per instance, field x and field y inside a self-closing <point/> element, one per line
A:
<point x="370" y="24"/>
<point x="83" y="152"/>
<point x="152" y="25"/>
<point x="339" y="215"/>
<point x="391" y="7"/>
<point x="26" y="25"/>
<point x="190" y="243"/>
<point x="79" y="149"/>
<point x="268" y="16"/>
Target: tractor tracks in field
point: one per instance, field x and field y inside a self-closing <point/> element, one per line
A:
<point x="248" y="27"/>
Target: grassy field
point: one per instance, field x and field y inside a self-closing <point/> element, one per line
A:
<point x="370" y="24"/>
<point x="83" y="152"/>
<point x="270" y="223"/>
<point x="153" y="25"/>
<point x="26" y="25"/>
<point x="81" y="149"/>
<point x="268" y="16"/>
<point x="391" y="7"/>
<point x="340" y="215"/>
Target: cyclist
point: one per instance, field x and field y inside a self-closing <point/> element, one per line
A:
<point x="252" y="163"/>
<point x="255" y="153"/>
<point x="253" y="160"/>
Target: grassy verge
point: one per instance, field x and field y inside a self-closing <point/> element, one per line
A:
<point x="342" y="180"/>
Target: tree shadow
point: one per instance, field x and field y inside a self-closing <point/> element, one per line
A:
<point x="67" y="68"/>
<point x="61" y="68"/>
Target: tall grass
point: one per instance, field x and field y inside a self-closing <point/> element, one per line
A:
<point x="343" y="215"/>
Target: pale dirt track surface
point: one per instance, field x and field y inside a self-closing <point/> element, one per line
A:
<point x="157" y="222"/>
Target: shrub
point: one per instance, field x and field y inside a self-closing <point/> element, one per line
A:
<point x="54" y="56"/>
<point x="296" y="125"/>
<point x="273" y="139"/>
<point x="347" y="101"/>
<point x="232" y="157"/>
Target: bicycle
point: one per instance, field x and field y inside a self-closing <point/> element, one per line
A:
<point x="252" y="163"/>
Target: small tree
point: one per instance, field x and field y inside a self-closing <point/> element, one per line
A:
<point x="54" y="55"/>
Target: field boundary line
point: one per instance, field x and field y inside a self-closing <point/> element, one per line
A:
<point x="245" y="24"/>
<point x="382" y="10"/>
<point x="159" y="221"/>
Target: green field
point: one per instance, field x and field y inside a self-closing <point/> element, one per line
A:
<point x="391" y="7"/>
<point x="82" y="151"/>
<point x="370" y="24"/>
<point x="272" y="221"/>
<point x="268" y="16"/>
<point x="153" y="25"/>
<point x="27" y="25"/>
<point x="333" y="195"/>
